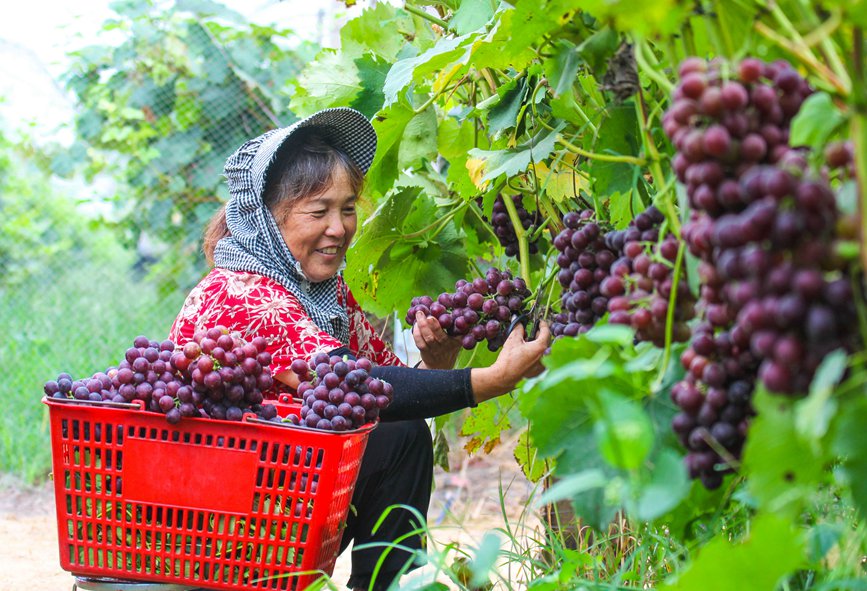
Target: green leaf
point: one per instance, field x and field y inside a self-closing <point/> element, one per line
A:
<point x="389" y="125"/>
<point x="371" y="75"/>
<point x="471" y="15"/>
<point x="378" y="30"/>
<point x="574" y="485"/>
<point x="331" y="80"/>
<point x="563" y="67"/>
<point x="497" y="50"/>
<point x="622" y="208"/>
<point x="485" y="558"/>
<point x="668" y="486"/>
<point x="484" y="426"/>
<point x="419" y="140"/>
<point x="402" y="72"/>
<point x="816" y="120"/>
<point x="849" y="443"/>
<point x="783" y="469"/>
<point x="814" y="413"/>
<point x="381" y="253"/>
<point x="773" y="549"/>
<point x="504" y="114"/>
<point x="618" y="135"/>
<point x="623" y="432"/>
<point x="513" y="161"/>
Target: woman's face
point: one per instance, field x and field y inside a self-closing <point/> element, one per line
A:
<point x="318" y="229"/>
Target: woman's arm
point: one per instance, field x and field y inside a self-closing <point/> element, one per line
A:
<point x="430" y="393"/>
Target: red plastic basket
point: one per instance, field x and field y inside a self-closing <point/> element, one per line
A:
<point x="215" y="504"/>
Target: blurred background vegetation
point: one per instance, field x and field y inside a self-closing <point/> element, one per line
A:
<point x="100" y="234"/>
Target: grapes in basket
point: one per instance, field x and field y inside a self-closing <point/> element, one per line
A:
<point x="215" y="375"/>
<point x="338" y="393"/>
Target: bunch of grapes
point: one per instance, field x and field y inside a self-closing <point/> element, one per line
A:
<point x="338" y="394"/>
<point x="216" y="375"/>
<point x="642" y="281"/>
<point x="227" y="375"/>
<point x="585" y="260"/>
<point x="774" y="298"/>
<point x="723" y="127"/>
<point x="477" y="310"/>
<point x="505" y="230"/>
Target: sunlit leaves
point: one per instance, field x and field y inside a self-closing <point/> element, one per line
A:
<point x="773" y="549"/>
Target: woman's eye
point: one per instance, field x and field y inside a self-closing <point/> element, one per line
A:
<point x="349" y="211"/>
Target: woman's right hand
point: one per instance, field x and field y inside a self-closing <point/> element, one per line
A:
<point x="517" y="360"/>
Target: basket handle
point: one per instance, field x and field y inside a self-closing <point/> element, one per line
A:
<point x="134" y="405"/>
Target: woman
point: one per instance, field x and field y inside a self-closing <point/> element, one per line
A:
<point x="278" y="248"/>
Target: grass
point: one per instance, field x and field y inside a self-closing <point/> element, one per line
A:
<point x="79" y="319"/>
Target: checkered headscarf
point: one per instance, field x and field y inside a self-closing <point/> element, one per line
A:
<point x="255" y="244"/>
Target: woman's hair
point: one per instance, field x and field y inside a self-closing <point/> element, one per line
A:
<point x="302" y="167"/>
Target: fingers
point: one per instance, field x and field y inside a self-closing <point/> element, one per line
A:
<point x="427" y="330"/>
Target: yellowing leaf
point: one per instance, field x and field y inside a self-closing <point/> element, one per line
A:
<point x="476" y="167"/>
<point x="560" y="184"/>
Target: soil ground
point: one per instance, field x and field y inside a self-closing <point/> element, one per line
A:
<point x="466" y="504"/>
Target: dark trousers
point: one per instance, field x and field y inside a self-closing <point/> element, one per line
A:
<point x="396" y="469"/>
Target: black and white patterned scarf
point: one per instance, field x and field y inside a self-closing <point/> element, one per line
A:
<point x="256" y="245"/>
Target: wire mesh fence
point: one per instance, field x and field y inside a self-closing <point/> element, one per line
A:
<point x="100" y="238"/>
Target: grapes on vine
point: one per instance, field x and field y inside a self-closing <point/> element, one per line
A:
<point x="215" y="375"/>
<point x="338" y="393"/>
<point x="478" y="310"/>
<point x="504" y="229"/>
<point x="774" y="299"/>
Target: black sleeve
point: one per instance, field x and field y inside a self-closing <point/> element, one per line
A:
<point x="422" y="393"/>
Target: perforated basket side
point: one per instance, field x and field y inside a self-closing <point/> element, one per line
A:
<point x="214" y="503"/>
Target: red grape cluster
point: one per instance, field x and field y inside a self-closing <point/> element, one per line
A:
<point x="228" y="373"/>
<point x="477" y="310"/>
<point x="642" y="281"/>
<point x="216" y="375"/>
<point x="338" y="394"/>
<point x="585" y="260"/>
<point x="722" y="127"/>
<point x="774" y="300"/>
<point x="505" y="230"/>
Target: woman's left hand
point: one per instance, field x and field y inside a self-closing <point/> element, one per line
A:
<point x="438" y="350"/>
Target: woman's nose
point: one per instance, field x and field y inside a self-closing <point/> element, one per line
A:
<point x="335" y="226"/>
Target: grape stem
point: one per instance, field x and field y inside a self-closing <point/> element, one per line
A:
<point x="669" y="316"/>
<point x="858" y="132"/>
<point x="601" y="157"/>
<point x="643" y="54"/>
<point x="521" y="235"/>
<point x="426" y="16"/>
<point x="805" y="56"/>
<point x="663" y="194"/>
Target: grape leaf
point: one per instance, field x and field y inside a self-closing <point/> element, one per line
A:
<point x="371" y="75"/>
<point x="496" y="49"/>
<point x="483" y="427"/>
<point x="402" y="72"/>
<point x="816" y="120"/>
<point x="773" y="549"/>
<point x="513" y="161"/>
<point x="668" y="486"/>
<point x="471" y="15"/>
<point x="783" y="468"/>
<point x="618" y="134"/>
<point x="380" y="30"/>
<point x="331" y="80"/>
<point x="389" y="124"/>
<point x="531" y="465"/>
<point x="504" y="114"/>
<point x="849" y="443"/>
<point x="419" y="140"/>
